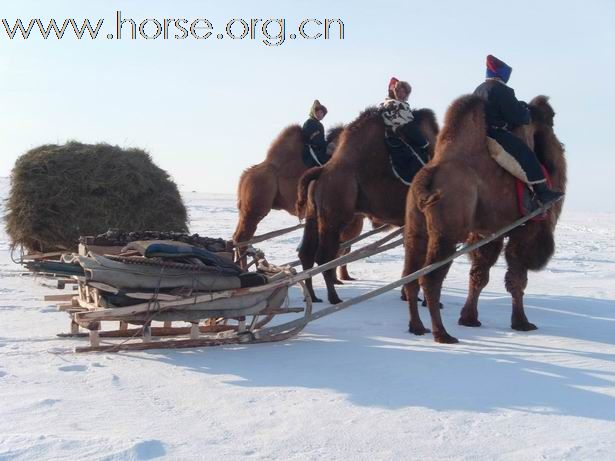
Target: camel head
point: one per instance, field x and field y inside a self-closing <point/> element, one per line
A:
<point x="542" y="112"/>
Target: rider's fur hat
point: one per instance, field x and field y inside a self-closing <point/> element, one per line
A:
<point x="395" y="84"/>
<point x="317" y="106"/>
<point x="498" y="69"/>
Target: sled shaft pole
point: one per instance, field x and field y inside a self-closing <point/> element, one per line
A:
<point x="268" y="235"/>
<point x="411" y="277"/>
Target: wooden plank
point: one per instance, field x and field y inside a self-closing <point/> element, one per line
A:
<point x="104" y="287"/>
<point x="185" y="303"/>
<point x="65" y="307"/>
<point x="186" y="315"/>
<point x="101" y="249"/>
<point x="194" y="330"/>
<point x="64" y="297"/>
<point x="170" y="344"/>
<point x="155" y="332"/>
<point x="283" y="310"/>
<point x="43" y="256"/>
<point x="94" y="337"/>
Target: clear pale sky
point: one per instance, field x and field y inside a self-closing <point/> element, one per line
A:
<point x="207" y="109"/>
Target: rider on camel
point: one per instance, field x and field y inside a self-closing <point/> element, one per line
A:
<point x="316" y="152"/>
<point x="504" y="112"/>
<point x="406" y="144"/>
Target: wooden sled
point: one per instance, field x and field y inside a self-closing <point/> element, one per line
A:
<point x="226" y="317"/>
<point x="222" y="317"/>
<point x="236" y="316"/>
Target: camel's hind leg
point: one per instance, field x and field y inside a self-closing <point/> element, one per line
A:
<point x="416" y="248"/>
<point x="439" y="248"/>
<point x="351" y="231"/>
<point x="341" y="274"/>
<point x="483" y="260"/>
<point x="307" y="251"/>
<point x="516" y="281"/>
<point x="328" y="249"/>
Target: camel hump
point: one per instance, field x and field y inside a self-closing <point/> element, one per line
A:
<point x="427" y="116"/>
<point x="466" y="112"/>
<point x="464" y="131"/>
<point x="288" y="143"/>
<point x="370" y="114"/>
<point x="334" y="132"/>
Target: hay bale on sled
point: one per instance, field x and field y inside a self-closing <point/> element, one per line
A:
<point x="59" y="192"/>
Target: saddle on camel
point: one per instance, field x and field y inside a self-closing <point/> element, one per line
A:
<point x="359" y="178"/>
<point x="464" y="195"/>
<point x="272" y="184"/>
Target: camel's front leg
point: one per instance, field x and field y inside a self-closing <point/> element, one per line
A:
<point x="516" y="281"/>
<point x="483" y="260"/>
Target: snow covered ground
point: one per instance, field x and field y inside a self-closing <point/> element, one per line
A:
<point x="354" y="385"/>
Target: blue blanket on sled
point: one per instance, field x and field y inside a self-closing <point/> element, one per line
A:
<point x="170" y="249"/>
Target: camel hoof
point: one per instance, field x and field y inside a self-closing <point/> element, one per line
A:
<point x="424" y="304"/>
<point x="418" y="330"/>
<point x="524" y="326"/>
<point x="347" y="278"/>
<point x="445" y="339"/>
<point x="315" y="300"/>
<point x="338" y="282"/>
<point x="469" y="322"/>
<point x="335" y="300"/>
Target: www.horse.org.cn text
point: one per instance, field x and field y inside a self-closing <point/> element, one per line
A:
<point x="271" y="32"/>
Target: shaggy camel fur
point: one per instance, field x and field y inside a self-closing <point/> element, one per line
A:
<point x="464" y="195"/>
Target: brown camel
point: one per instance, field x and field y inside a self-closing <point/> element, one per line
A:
<point x="464" y="195"/>
<point x="272" y="184"/>
<point x="358" y="179"/>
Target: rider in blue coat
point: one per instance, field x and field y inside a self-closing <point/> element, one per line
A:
<point x="504" y="112"/>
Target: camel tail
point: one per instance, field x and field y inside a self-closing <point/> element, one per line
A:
<point x="302" y="189"/>
<point x="424" y="196"/>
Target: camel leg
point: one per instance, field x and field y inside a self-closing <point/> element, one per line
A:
<point x="328" y="249"/>
<point x="438" y="249"/>
<point x="483" y="260"/>
<point x="246" y="228"/>
<point x="256" y="193"/>
<point x="415" y="257"/>
<point x="351" y="231"/>
<point x="516" y="281"/>
<point x="342" y="271"/>
<point x="307" y="252"/>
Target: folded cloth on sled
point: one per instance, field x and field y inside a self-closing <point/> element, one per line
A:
<point x="146" y="277"/>
<point x="171" y="249"/>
